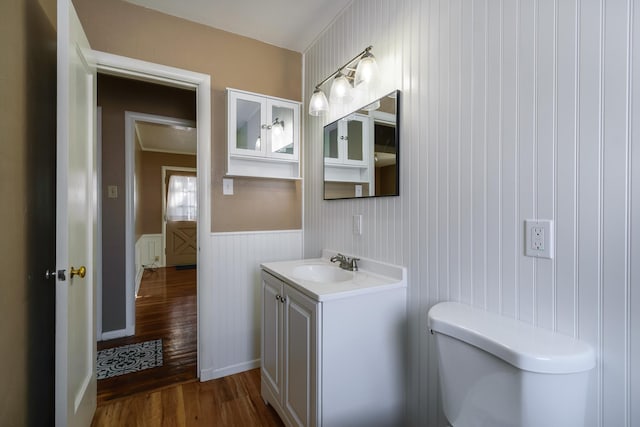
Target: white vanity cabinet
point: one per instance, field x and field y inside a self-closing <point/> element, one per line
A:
<point x="289" y="337"/>
<point x="263" y="135"/>
<point x="336" y="359"/>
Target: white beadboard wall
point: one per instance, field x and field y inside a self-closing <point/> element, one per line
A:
<point x="230" y="302"/>
<point x="511" y="109"/>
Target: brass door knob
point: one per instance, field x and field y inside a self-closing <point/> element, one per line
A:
<point x="78" y="272"/>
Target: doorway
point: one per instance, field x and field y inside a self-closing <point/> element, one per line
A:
<point x="200" y="85"/>
<point x="179" y="225"/>
<point x="151" y="141"/>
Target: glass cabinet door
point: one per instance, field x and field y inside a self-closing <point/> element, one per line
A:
<point x="249" y="125"/>
<point x="355" y="145"/>
<point x="331" y="146"/>
<point x="283" y="123"/>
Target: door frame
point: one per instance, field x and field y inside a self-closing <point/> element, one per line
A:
<point x="121" y="66"/>
<point x="98" y="245"/>
<point x="163" y="255"/>
<point x="130" y="119"/>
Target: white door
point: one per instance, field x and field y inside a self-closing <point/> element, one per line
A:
<point x="75" y="375"/>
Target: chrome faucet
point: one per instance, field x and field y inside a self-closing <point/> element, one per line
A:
<point x="346" y="263"/>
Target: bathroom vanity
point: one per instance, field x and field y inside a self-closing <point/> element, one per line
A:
<point x="334" y="342"/>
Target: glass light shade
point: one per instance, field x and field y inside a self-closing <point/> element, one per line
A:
<point x="341" y="90"/>
<point x="318" y="104"/>
<point x="367" y="70"/>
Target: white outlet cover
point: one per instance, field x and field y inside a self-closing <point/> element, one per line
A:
<point x="227" y="186"/>
<point x="539" y="238"/>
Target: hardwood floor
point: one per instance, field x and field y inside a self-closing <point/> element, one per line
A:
<point x="233" y="401"/>
<point x="165" y="308"/>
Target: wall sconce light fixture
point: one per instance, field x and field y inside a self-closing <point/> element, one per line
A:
<point x="365" y="72"/>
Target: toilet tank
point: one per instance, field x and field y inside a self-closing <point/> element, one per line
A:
<point x="497" y="371"/>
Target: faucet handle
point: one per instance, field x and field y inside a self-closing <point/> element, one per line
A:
<point x="354" y="263"/>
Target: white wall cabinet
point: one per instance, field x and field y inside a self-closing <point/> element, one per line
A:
<point x="348" y="151"/>
<point x="336" y="362"/>
<point x="263" y="135"/>
<point x="347" y="141"/>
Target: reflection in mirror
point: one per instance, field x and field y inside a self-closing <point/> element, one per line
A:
<point x="248" y="125"/>
<point x="361" y="152"/>
<point x="282" y="130"/>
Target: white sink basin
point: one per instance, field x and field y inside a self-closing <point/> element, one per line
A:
<point x="321" y="273"/>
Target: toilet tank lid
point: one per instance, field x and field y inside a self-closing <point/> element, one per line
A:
<point x="520" y="344"/>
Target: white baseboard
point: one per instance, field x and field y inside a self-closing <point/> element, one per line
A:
<point x="118" y="333"/>
<point x="212" y="374"/>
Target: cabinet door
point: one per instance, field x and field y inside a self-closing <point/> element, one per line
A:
<point x="247" y="114"/>
<point x="300" y="332"/>
<point x="283" y="129"/>
<point x="271" y="341"/>
<point x="331" y="143"/>
<point x="356" y="147"/>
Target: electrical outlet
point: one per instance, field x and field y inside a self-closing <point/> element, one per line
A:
<point x="539" y="238"/>
<point x="358" y="190"/>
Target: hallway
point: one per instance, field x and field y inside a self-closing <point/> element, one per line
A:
<point x="165" y="309"/>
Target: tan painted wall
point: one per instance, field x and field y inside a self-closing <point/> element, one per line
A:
<point x="150" y="219"/>
<point x="27" y="188"/>
<point x="343" y="190"/>
<point x="386" y="178"/>
<point x="13" y="300"/>
<point x="121" y="28"/>
<point x="115" y="96"/>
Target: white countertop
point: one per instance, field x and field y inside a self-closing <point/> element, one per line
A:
<point x="372" y="276"/>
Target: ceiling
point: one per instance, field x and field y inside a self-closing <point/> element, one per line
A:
<point x="166" y="138"/>
<point x="291" y="24"/>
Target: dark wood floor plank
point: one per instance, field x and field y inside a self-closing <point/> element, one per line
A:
<point x="165" y="308"/>
<point x="170" y="395"/>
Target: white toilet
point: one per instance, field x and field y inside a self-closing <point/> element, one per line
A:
<point x="496" y="371"/>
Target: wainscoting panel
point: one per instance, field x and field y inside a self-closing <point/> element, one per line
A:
<point x="232" y="319"/>
<point x="148" y="249"/>
<point x="510" y="110"/>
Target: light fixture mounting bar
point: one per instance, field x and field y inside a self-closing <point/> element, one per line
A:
<point x="346" y="65"/>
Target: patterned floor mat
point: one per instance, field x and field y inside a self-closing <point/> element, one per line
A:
<point x="129" y="358"/>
